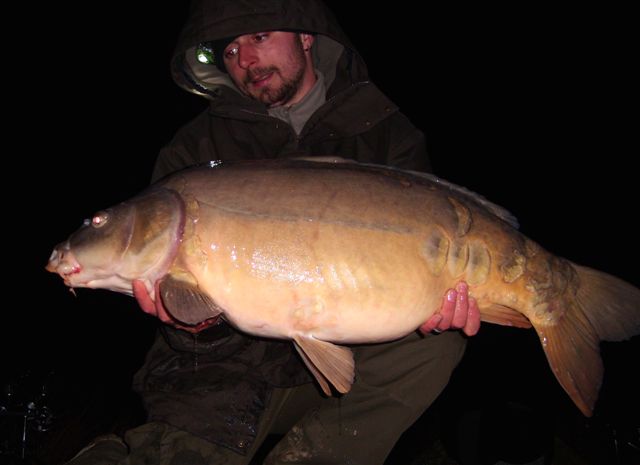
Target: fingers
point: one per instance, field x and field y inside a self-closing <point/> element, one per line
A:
<point x="441" y="320"/>
<point x="156" y="308"/>
<point x="153" y="308"/>
<point x="461" y="311"/>
<point x="458" y="311"/>
<point x="447" y="310"/>
<point x="431" y="324"/>
<point x="142" y="296"/>
<point x="472" y="325"/>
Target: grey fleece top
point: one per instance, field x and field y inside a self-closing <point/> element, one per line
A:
<point x="298" y="113"/>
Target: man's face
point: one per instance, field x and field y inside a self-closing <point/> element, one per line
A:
<point x="270" y="66"/>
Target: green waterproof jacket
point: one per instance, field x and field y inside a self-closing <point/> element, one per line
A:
<point x="216" y="385"/>
<point x="357" y="120"/>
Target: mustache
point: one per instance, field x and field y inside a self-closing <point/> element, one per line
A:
<point x="255" y="73"/>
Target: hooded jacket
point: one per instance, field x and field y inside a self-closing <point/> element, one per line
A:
<point x="356" y="121"/>
<point x="216" y="385"/>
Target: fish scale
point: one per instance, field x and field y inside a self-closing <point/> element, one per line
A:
<point x="333" y="253"/>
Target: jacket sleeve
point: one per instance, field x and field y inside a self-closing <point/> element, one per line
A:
<point x="191" y="145"/>
<point x="171" y="158"/>
<point x="407" y="145"/>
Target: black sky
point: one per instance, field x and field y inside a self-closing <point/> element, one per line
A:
<point x="528" y="108"/>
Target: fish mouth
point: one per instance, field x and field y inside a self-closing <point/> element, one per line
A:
<point x="63" y="263"/>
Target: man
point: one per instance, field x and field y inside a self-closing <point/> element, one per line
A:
<point x="283" y="80"/>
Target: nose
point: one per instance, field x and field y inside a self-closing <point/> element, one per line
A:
<point x="247" y="56"/>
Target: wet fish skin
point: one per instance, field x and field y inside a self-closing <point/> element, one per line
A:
<point x="339" y="253"/>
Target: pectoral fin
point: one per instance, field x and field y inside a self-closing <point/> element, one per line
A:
<point x="501" y="315"/>
<point x="185" y="301"/>
<point x="328" y="362"/>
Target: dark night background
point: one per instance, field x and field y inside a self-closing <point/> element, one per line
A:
<point x="530" y="108"/>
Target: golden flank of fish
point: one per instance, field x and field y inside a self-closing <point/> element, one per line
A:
<point x="339" y="253"/>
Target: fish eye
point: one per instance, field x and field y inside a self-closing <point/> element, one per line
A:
<point x="100" y="219"/>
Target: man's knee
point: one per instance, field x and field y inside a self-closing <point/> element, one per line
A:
<point x="104" y="450"/>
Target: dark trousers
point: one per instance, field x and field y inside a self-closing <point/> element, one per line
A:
<point x="395" y="383"/>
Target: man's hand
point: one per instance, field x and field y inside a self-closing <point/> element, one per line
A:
<point x="156" y="308"/>
<point x="458" y="311"/>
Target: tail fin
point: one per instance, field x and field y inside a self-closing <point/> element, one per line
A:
<point x="611" y="305"/>
<point x="604" y="308"/>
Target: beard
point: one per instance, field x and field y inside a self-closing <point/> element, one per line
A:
<point x="291" y="75"/>
<point x="284" y="92"/>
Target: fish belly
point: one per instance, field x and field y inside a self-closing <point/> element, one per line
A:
<point x="338" y="283"/>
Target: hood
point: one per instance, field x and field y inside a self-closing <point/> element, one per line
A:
<point x="334" y="55"/>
